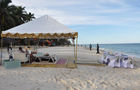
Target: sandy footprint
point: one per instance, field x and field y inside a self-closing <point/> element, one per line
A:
<point x="104" y="84"/>
<point x="72" y="81"/>
<point x="69" y="88"/>
<point x="83" y="84"/>
<point x="90" y="84"/>
<point x="63" y="82"/>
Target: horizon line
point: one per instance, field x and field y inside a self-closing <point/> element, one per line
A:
<point x="110" y="43"/>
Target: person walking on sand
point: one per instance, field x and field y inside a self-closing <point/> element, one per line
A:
<point x="98" y="51"/>
<point x="90" y="47"/>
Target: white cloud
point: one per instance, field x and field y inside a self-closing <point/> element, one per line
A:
<point x="79" y="12"/>
<point x="73" y="19"/>
<point x="46" y="3"/>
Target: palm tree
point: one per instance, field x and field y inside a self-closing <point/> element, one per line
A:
<point x="5" y="16"/>
<point x="29" y="17"/>
<point x="20" y="15"/>
<point x="11" y="15"/>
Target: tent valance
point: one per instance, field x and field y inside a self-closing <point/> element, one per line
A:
<point x="40" y="35"/>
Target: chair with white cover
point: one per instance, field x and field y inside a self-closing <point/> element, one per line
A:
<point x="21" y="56"/>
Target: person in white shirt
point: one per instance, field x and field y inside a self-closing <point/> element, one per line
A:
<point x="28" y="53"/>
<point x="11" y="57"/>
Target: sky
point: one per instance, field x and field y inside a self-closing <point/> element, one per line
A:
<point x="96" y="21"/>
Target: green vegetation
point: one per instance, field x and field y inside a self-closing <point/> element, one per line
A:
<point x="11" y="15"/>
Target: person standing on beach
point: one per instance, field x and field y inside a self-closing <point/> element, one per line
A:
<point x="11" y="57"/>
<point x="90" y="47"/>
<point x="98" y="51"/>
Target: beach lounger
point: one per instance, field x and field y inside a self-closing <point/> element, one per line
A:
<point x="41" y="57"/>
<point x="54" y="59"/>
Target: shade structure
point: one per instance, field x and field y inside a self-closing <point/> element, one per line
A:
<point x="43" y="27"/>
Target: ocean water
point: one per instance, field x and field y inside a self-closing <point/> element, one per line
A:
<point x="132" y="49"/>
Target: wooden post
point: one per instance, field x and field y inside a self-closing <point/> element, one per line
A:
<point x="28" y="41"/>
<point x="76" y="48"/>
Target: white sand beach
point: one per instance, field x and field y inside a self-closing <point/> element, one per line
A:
<point x="82" y="78"/>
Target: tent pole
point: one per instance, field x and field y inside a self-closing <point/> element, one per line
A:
<point x="28" y="42"/>
<point x="1" y="48"/>
<point x="38" y="43"/>
<point x="76" y="48"/>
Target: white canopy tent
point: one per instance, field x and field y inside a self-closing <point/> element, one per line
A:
<point x="44" y="27"/>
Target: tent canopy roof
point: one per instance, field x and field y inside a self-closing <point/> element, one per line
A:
<point x="40" y="27"/>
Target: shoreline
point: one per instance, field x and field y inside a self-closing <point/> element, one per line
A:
<point x="113" y="51"/>
<point x="128" y="49"/>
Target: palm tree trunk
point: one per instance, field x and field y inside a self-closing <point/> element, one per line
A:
<point x="1" y="43"/>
